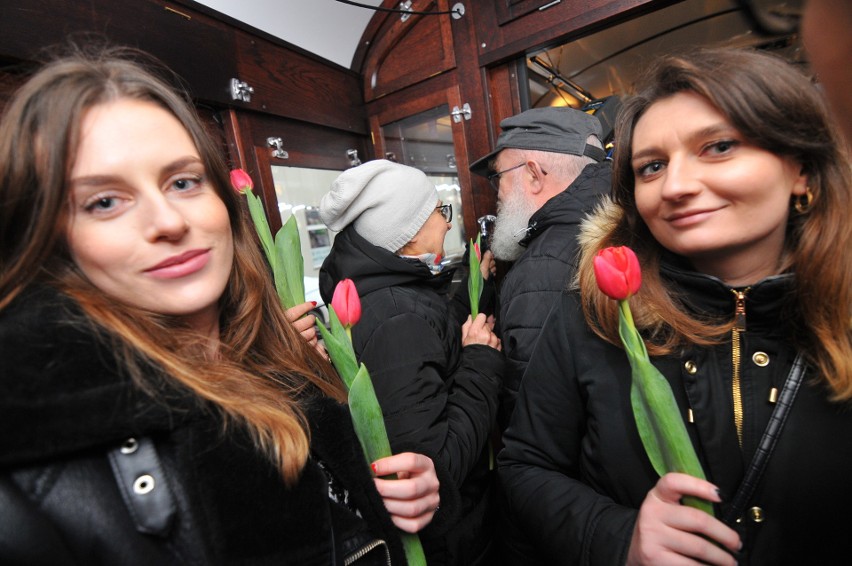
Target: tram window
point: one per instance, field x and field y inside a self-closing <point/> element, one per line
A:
<point x="299" y="190"/>
<point x="605" y="63"/>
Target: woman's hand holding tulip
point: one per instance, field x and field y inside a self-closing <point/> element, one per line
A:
<point x="412" y="498"/>
<point x="306" y="324"/>
<point x="480" y="330"/>
<point x="667" y="532"/>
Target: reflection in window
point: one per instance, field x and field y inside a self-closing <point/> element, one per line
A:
<point x="299" y="191"/>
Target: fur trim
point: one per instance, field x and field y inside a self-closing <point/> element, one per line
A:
<point x="598" y="224"/>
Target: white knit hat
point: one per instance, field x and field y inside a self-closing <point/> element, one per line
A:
<point x="386" y="202"/>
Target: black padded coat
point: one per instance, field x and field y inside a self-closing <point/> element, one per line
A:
<point x="548" y="265"/>
<point x="574" y="469"/>
<point x="437" y="398"/>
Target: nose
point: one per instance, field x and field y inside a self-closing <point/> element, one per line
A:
<point x="681" y="179"/>
<point x="164" y="220"/>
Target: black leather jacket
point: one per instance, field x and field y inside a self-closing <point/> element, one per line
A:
<point x="94" y="471"/>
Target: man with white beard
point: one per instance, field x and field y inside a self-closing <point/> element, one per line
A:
<point x="549" y="171"/>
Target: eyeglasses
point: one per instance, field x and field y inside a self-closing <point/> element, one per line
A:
<point x="446" y="211"/>
<point x="494" y="178"/>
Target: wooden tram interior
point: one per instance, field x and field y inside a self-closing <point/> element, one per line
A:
<point x="425" y="90"/>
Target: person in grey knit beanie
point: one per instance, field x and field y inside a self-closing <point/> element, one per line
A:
<point x="386" y="202"/>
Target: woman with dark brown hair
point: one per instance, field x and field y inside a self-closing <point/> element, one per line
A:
<point x="731" y="188"/>
<point x="156" y="406"/>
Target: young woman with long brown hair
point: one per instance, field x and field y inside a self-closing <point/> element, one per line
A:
<point x="156" y="405"/>
<point x="731" y="187"/>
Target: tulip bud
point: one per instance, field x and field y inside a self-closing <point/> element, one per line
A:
<point x="346" y="303"/>
<point x="617" y="272"/>
<point x="241" y="181"/>
<point x="477" y="250"/>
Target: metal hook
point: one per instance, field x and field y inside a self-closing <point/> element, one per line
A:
<point x="278" y="151"/>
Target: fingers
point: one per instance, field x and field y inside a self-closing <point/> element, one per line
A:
<point x="413" y="498"/>
<point x="466" y="326"/>
<point x="411" y="524"/>
<point x="297" y="312"/>
<point x="487" y="264"/>
<point x="305" y="325"/>
<point x="404" y="462"/>
<point x="668" y="532"/>
<point x="672" y="487"/>
<point x="479" y="332"/>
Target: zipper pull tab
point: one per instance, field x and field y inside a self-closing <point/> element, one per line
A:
<point x="740" y="310"/>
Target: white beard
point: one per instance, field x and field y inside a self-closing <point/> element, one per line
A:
<point x="513" y="216"/>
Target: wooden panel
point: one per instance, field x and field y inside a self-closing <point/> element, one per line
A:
<point x="412" y="100"/>
<point x="477" y="131"/>
<point x="556" y="24"/>
<point x="186" y="41"/>
<point x="307" y="145"/>
<point x="408" y="52"/>
<point x="508" y="10"/>
<point x="203" y="49"/>
<point x="296" y="86"/>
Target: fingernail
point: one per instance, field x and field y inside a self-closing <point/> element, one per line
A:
<point x="375" y="469"/>
<point x="314" y="303"/>
<point x="719" y="493"/>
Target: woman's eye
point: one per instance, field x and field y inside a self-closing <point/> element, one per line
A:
<point x="101" y="204"/>
<point x="186" y="183"/>
<point x="649" y="169"/>
<point x="721" y="147"/>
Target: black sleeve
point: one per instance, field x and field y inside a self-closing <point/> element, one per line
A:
<point x="539" y="467"/>
<point x="447" y="412"/>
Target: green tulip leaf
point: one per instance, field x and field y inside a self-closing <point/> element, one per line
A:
<point x="289" y="266"/>
<point x="414" y="554"/>
<point x="258" y="216"/>
<point x="367" y="417"/>
<point x="474" y="277"/>
<point x="655" y="410"/>
<point x="339" y="348"/>
<point x="369" y="424"/>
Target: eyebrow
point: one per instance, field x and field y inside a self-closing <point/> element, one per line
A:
<point x="707" y="132"/>
<point x="100" y="180"/>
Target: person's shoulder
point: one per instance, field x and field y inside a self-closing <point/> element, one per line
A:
<point x="40" y="315"/>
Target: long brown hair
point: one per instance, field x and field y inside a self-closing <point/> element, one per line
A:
<point x="262" y="366"/>
<point x="776" y="108"/>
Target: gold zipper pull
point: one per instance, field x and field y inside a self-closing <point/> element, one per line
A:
<point x="736" y="391"/>
<point x="740" y="310"/>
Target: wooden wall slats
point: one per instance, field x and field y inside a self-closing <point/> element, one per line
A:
<point x="408" y="52"/>
<point x="205" y="51"/>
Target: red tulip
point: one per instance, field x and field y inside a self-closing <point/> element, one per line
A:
<point x="617" y="272"/>
<point x="346" y="303"/>
<point x="478" y="252"/>
<point x="241" y="181"/>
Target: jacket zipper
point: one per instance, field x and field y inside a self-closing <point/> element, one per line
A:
<point x="366" y="549"/>
<point x="736" y="389"/>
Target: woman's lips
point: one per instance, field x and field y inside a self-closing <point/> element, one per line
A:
<point x="688" y="218"/>
<point x="180" y="265"/>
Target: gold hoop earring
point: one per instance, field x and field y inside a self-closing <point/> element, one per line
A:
<point x="802" y="204"/>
